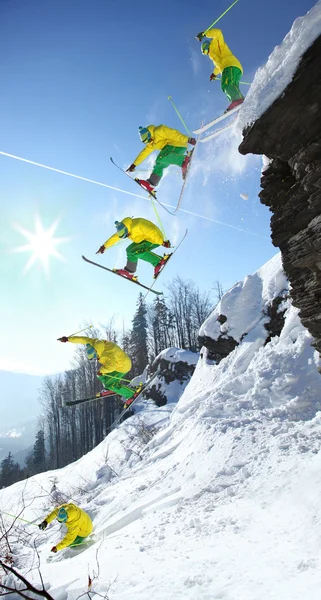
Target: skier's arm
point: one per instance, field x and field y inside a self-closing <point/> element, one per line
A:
<point x="76" y="339"/>
<point x="107" y="364"/>
<point x="215" y="34"/>
<point x="68" y="539"/>
<point x="172" y="135"/>
<point x="52" y="515"/>
<point x="111" y="241"/>
<point x="142" y="155"/>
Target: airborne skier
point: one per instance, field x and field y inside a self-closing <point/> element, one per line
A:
<point x="115" y="363"/>
<point x="225" y="63"/>
<point x="78" y="523"/>
<point x="172" y="145"/>
<point x="145" y="237"/>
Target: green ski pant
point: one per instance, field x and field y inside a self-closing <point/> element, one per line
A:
<point x="142" y="251"/>
<point x="230" y="83"/>
<point x="112" y="382"/>
<point x="77" y="541"/>
<point x="170" y="155"/>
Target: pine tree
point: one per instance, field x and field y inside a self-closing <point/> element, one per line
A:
<point x="39" y="452"/>
<point x="10" y="471"/>
<point x="162" y="326"/>
<point x="138" y="337"/>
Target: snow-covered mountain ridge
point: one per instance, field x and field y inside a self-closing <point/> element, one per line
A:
<point x="222" y="502"/>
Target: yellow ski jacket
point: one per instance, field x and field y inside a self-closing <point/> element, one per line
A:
<point x="111" y="356"/>
<point x="161" y="137"/>
<point x="139" y="230"/>
<point x="220" y="53"/>
<point x="78" y="523"/>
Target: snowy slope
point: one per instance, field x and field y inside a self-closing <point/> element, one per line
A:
<point x="223" y="503"/>
<point x="271" y="79"/>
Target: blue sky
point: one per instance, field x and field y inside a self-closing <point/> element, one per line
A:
<point x="78" y="78"/>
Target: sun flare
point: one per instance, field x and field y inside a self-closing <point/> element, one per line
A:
<point x="42" y="244"/>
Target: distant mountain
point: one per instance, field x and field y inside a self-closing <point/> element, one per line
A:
<point x="19" y="412"/>
<point x="18" y="440"/>
<point x="19" y="398"/>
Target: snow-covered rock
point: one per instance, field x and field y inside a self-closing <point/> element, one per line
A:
<point x="245" y="312"/>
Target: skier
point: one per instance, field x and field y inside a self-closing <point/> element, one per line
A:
<point x="224" y="62"/>
<point x="78" y="523"/>
<point x="145" y="237"/>
<point x="115" y="363"/>
<point x="172" y="145"/>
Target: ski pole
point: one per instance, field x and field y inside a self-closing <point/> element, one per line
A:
<point x="222" y="15"/>
<point x="20" y="518"/>
<point x="179" y="115"/>
<point x="80" y="331"/>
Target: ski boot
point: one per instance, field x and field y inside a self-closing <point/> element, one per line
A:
<point x="185" y="164"/>
<point x="137" y="392"/>
<point x="234" y="104"/>
<point x="104" y="393"/>
<point x="126" y="274"/>
<point x="161" y="264"/>
<point x="146" y="185"/>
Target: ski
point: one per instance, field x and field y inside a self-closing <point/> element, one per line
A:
<point x="217" y="120"/>
<point x="149" y="289"/>
<point x="151" y="195"/>
<point x="185" y="179"/>
<point x="120" y="416"/>
<point x="176" y="248"/>
<point x="89" y="399"/>
<point x="216" y="133"/>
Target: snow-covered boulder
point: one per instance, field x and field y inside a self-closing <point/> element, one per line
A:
<point x="176" y="367"/>
<point x="251" y="309"/>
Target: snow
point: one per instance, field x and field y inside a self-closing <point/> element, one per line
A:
<point x="214" y="498"/>
<point x="255" y="293"/>
<point x="271" y="79"/>
<point x="176" y="355"/>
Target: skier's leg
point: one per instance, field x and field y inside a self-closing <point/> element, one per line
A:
<point x="77" y="541"/>
<point x="230" y="83"/>
<point x="170" y="155"/>
<point x="141" y="251"/>
<point x="112" y="381"/>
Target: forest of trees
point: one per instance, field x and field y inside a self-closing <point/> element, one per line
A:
<point x="67" y="433"/>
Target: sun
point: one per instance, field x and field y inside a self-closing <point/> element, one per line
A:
<point x="42" y="244"/>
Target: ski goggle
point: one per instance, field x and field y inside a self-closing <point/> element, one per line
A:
<point x="122" y="230"/>
<point x="145" y="134"/>
<point x="205" y="47"/>
<point x="91" y="352"/>
<point x="62" y="515"/>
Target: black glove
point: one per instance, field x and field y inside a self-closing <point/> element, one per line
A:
<point x="131" y="168"/>
<point x="43" y="525"/>
<point x="192" y="141"/>
<point x="200" y="36"/>
<point x="54" y="549"/>
<point x="101" y="250"/>
<point x="212" y="77"/>
<point x="62" y="339"/>
<point x="166" y="244"/>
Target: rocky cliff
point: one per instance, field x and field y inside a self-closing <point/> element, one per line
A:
<point x="176" y="368"/>
<point x="289" y="134"/>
